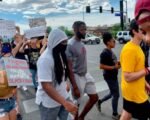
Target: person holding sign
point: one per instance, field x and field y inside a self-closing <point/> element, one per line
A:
<point x="33" y="53"/>
<point x="7" y="93"/>
<point x="16" y="44"/>
<point x="52" y="96"/>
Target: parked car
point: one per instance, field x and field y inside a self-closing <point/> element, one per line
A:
<point x="123" y="36"/>
<point x="91" y="39"/>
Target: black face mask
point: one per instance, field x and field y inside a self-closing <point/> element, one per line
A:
<point x="60" y="48"/>
<point x="80" y="36"/>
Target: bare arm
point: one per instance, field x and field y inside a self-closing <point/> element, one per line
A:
<point x="16" y="49"/>
<point x="132" y="76"/>
<point x="107" y="67"/>
<point x="71" y="74"/>
<point x="42" y="49"/>
<point x="72" y="80"/>
<point x="21" y="50"/>
<point x="51" y="91"/>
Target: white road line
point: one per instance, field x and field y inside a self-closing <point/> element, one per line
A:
<point x="30" y="106"/>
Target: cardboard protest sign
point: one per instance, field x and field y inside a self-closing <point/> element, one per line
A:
<point x="17" y="72"/>
<point x="35" y="22"/>
<point x="7" y="30"/>
<point x="35" y="32"/>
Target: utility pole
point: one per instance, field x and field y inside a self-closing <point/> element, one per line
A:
<point x="83" y="12"/>
<point x="121" y="15"/>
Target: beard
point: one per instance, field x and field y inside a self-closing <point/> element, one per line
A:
<point x="80" y="35"/>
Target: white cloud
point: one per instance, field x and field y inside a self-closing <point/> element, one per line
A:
<point x="94" y="19"/>
<point x="50" y="10"/>
<point x="29" y="12"/>
<point x="27" y="16"/>
<point x="34" y="8"/>
<point x="131" y="7"/>
<point x="13" y="1"/>
<point x="23" y="27"/>
<point x="44" y="7"/>
<point x="106" y="5"/>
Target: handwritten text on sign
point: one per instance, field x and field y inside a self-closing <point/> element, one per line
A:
<point x="17" y="72"/>
<point x="7" y="28"/>
<point x="35" y="22"/>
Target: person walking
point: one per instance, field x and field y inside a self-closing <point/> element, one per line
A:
<point x="110" y="66"/>
<point x="135" y="101"/>
<point x="82" y="81"/>
<point x="52" y="70"/>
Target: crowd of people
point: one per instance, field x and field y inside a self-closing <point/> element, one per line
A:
<point x="59" y="65"/>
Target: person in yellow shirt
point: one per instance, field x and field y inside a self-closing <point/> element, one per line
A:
<point x="133" y="83"/>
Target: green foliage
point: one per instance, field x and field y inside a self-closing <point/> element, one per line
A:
<point x="49" y="29"/>
<point x="114" y="29"/>
<point x="68" y="32"/>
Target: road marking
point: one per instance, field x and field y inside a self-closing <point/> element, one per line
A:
<point x="30" y="106"/>
<point x="101" y="86"/>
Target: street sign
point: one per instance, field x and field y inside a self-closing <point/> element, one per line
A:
<point x="117" y="14"/>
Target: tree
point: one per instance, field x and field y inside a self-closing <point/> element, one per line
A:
<point x="114" y="29"/>
<point x="68" y="32"/>
<point x="49" y="29"/>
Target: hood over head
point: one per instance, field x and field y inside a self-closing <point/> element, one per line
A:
<point x="55" y="37"/>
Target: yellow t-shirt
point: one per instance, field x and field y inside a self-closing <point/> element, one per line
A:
<point x="5" y="90"/>
<point x="132" y="60"/>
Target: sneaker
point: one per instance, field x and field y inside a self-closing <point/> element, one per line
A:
<point x="98" y="105"/>
<point x="116" y="117"/>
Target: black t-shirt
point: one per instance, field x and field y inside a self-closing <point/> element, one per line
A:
<point x="107" y="57"/>
<point x="33" y="55"/>
<point x="19" y="55"/>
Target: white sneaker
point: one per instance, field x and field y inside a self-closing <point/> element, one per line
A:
<point x="24" y="88"/>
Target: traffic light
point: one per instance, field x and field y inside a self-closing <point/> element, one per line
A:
<point x="100" y="9"/>
<point x="112" y="10"/>
<point x="88" y="9"/>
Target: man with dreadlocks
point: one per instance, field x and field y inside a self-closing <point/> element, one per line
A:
<point x="52" y="96"/>
<point x="76" y="55"/>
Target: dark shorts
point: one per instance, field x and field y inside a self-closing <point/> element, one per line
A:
<point x="140" y="111"/>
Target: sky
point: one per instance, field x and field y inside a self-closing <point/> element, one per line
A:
<point x="62" y="12"/>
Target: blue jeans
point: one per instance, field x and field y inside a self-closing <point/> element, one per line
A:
<point x="114" y="94"/>
<point x="53" y="113"/>
<point x="6" y="105"/>
<point x="34" y="75"/>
